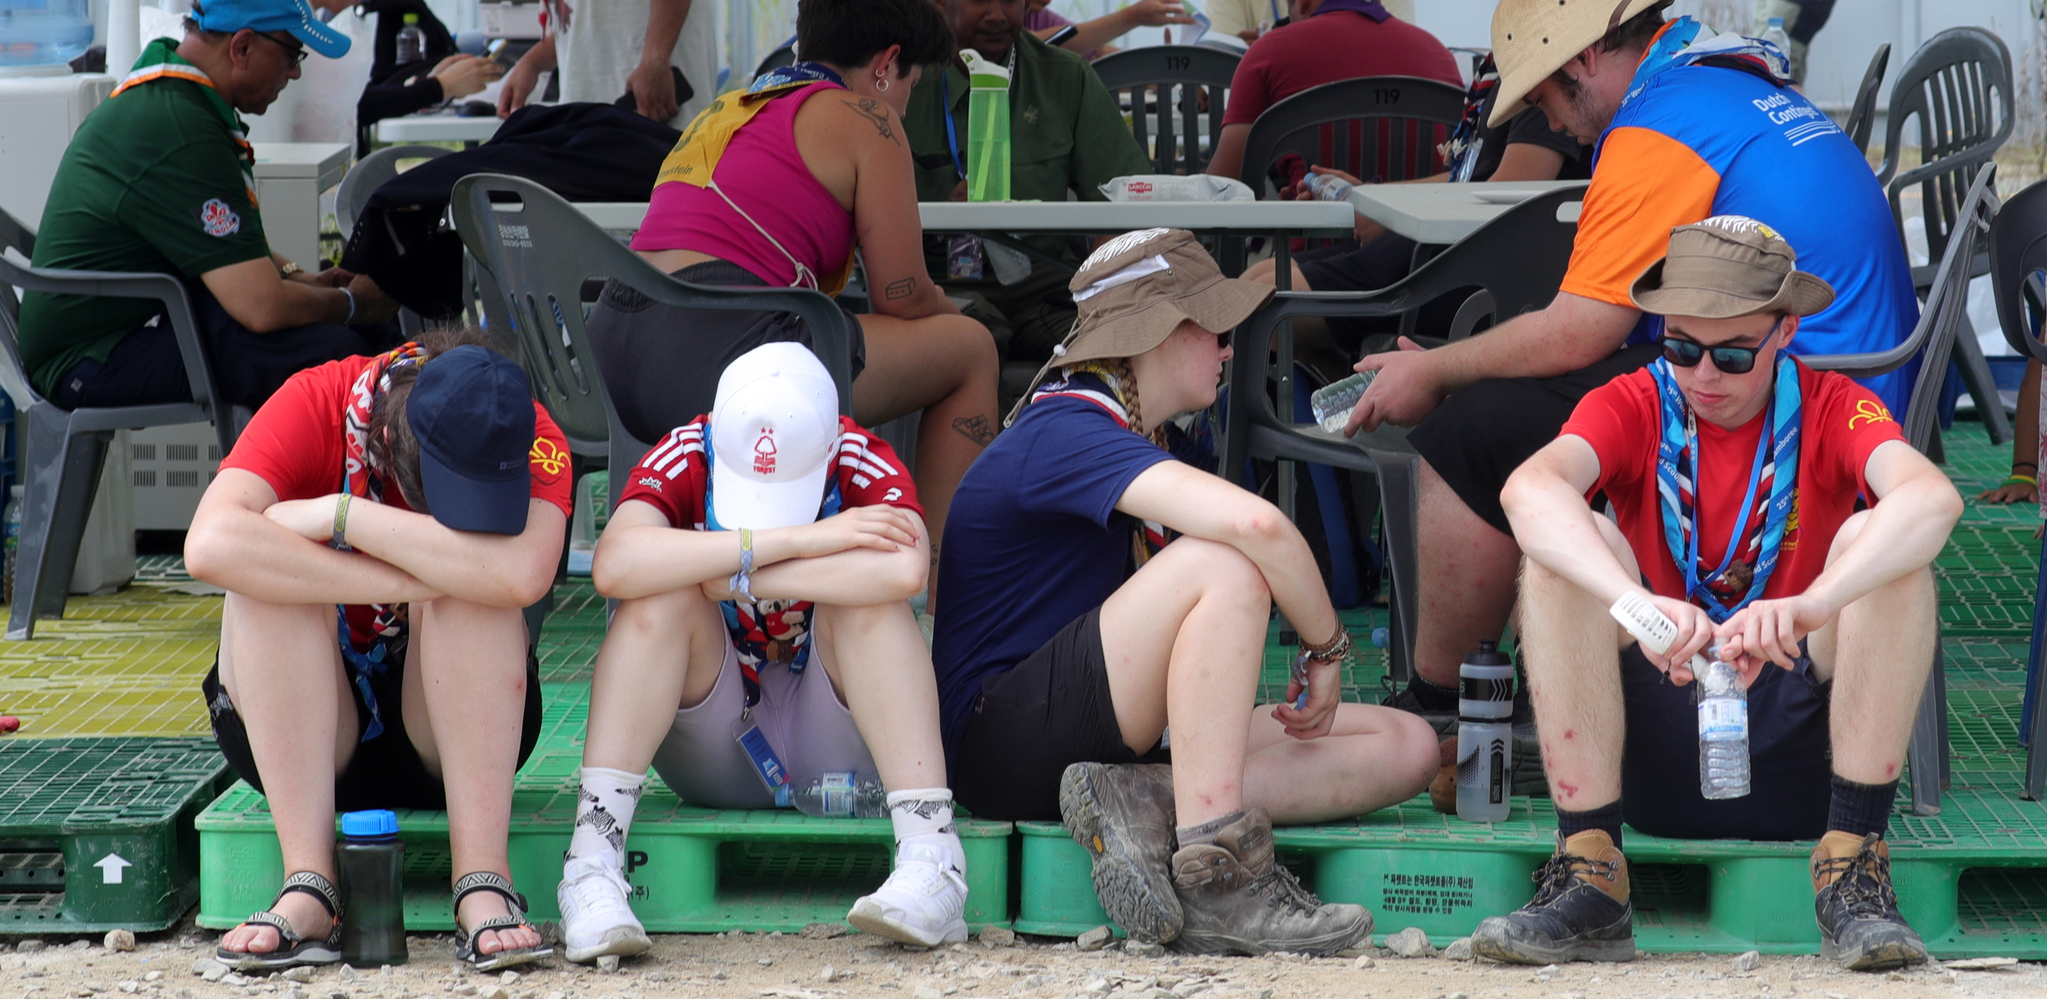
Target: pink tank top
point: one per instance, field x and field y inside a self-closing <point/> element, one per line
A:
<point x="764" y="175"/>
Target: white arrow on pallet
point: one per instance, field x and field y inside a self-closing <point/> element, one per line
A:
<point x="111" y="867"/>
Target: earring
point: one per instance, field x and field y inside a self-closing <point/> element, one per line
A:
<point x="880" y="82"/>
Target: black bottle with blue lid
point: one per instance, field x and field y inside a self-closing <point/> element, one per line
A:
<point x="371" y="859"/>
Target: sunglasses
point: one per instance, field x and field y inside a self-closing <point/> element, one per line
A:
<point x="1730" y="360"/>
<point x="296" y="53"/>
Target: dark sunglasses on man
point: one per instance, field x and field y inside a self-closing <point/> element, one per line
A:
<point x="1730" y="360"/>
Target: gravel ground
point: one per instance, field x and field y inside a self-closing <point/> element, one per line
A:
<point x="177" y="965"/>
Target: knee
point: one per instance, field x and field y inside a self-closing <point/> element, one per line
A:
<point x="658" y="615"/>
<point x="1220" y="570"/>
<point x="1418" y="752"/>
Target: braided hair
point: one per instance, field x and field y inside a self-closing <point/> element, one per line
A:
<point x="1126" y="376"/>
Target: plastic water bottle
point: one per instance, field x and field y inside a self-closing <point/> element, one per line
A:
<point x="372" y="863"/>
<point x="411" y="41"/>
<point x="1776" y="35"/>
<point x="988" y="160"/>
<point x="45" y="32"/>
<point x="1327" y="186"/>
<point x="1723" y="730"/>
<point x="837" y="794"/>
<point x="1333" y="402"/>
<point x="1485" y="734"/>
<point x="13" y="519"/>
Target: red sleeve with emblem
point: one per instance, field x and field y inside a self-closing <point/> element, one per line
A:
<point x="1853" y="423"/>
<point x="1646" y="184"/>
<point x="671" y="476"/>
<point x="554" y="476"/>
<point x="869" y="472"/>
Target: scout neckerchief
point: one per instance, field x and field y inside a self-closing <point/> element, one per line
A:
<point x="1097" y="383"/>
<point x="160" y="61"/>
<point x="1758" y="533"/>
<point x="696" y="155"/>
<point x="360" y="478"/>
<point x="767" y="630"/>
<point x="1370" y="8"/>
<point x="1687" y="42"/>
<point x="1462" y="149"/>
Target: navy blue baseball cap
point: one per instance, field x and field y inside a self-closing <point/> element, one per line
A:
<point x="472" y="411"/>
<point x="295" y="17"/>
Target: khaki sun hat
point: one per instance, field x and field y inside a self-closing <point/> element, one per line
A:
<point x="1138" y="288"/>
<point x="1534" y="38"/>
<point x="1728" y="266"/>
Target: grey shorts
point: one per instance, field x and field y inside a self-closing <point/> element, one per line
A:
<point x="700" y="759"/>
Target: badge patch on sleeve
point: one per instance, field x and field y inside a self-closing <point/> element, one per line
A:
<point x="218" y="219"/>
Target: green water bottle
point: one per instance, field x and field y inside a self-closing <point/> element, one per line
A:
<point x="987" y="129"/>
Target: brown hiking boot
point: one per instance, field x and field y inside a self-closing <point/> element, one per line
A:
<point x="1860" y="927"/>
<point x="1238" y="900"/>
<point x="1124" y="816"/>
<point x="1581" y="911"/>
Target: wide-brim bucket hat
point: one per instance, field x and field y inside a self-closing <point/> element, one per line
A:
<point x="1726" y="267"/>
<point x="1534" y="38"/>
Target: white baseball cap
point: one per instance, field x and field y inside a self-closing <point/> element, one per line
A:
<point x="774" y="433"/>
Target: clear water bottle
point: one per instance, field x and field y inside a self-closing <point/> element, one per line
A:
<point x="837" y="794"/>
<point x="13" y="520"/>
<point x="1723" y="730"/>
<point x="1776" y="35"/>
<point x="1327" y="186"/>
<point x="1485" y="735"/>
<point x="372" y="863"/>
<point x="1333" y="402"/>
<point x="411" y="41"/>
<point x="44" y="32"/>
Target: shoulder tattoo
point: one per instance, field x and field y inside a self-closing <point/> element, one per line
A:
<point x="878" y="113"/>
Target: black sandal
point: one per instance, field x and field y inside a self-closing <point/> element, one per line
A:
<point x="465" y="946"/>
<point x="292" y="950"/>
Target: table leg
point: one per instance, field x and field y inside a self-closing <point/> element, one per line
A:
<point x="1283" y="348"/>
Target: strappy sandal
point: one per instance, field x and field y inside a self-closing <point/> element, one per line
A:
<point x="292" y="950"/>
<point x="465" y="947"/>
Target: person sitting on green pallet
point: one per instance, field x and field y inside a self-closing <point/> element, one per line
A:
<point x="1098" y="590"/>
<point x="379" y="527"/>
<point x="1734" y="473"/>
<point x="750" y="544"/>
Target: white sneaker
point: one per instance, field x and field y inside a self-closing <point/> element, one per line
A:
<point x="595" y="917"/>
<point x="922" y="903"/>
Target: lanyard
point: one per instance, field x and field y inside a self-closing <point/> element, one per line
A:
<point x="952" y="138"/>
<point x="1693" y="585"/>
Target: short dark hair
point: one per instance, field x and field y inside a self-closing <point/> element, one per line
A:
<point x="1635" y="32"/>
<point x="394" y="450"/>
<point x="850" y="32"/>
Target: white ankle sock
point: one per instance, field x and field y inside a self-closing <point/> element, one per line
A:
<point x="925" y="816"/>
<point x="604" y="812"/>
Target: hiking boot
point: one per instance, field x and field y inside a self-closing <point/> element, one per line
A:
<point x="1580" y="911"/>
<point x="1123" y="815"/>
<point x="1238" y="900"/>
<point x="1860" y="928"/>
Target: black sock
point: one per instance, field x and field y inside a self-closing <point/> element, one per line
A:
<point x="1206" y="832"/>
<point x="1430" y="696"/>
<point x="1861" y="808"/>
<point x="1605" y="818"/>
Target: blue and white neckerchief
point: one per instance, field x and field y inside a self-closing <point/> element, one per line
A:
<point x="1681" y="44"/>
<point x="795" y="74"/>
<point x="1773" y="478"/>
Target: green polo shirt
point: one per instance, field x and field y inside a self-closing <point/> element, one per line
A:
<point x="151" y="182"/>
<point x="1065" y="133"/>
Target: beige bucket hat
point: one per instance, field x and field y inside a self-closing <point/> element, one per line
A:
<point x="1728" y="266"/>
<point x="1136" y="289"/>
<point x="1534" y="38"/>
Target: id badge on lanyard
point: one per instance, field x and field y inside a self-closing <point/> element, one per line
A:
<point x="766" y="765"/>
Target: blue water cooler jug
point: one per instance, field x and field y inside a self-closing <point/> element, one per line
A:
<point x="43" y="32"/>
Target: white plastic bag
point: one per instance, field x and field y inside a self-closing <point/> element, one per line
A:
<point x="1172" y="187"/>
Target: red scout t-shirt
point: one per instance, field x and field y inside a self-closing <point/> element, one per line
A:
<point x="1337" y="45"/>
<point x="295" y="443"/>
<point x="674" y="478"/>
<point x="1843" y="424"/>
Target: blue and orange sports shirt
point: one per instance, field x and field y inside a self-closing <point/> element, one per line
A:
<point x="1703" y="140"/>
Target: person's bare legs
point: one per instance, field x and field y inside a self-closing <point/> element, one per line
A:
<point x="663" y="652"/>
<point x="880" y="668"/>
<point x="947" y="367"/>
<point x="1574" y="679"/>
<point x="1466" y="575"/>
<point x="282" y="670"/>
<point x="1878" y="652"/>
<point x="1308" y="330"/>
<point x="467" y="668"/>
<point x="1371" y="758"/>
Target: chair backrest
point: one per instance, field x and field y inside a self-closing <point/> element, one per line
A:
<point x="370" y="173"/>
<point x="1862" y="113"/>
<point x="1166" y="87"/>
<point x="1374" y="127"/>
<point x="1933" y="338"/>
<point x="16" y="236"/>
<point x="1958" y="87"/>
<point x="539" y="251"/>
<point x="2018" y="257"/>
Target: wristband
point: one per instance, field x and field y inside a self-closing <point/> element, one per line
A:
<point x="341" y="521"/>
<point x="2016" y="479"/>
<point x="2028" y="464"/>
<point x="351" y="306"/>
<point x="742" y="581"/>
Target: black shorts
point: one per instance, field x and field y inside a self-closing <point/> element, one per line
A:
<point x="385" y="772"/>
<point x="1484" y="431"/>
<point x="1044" y="714"/>
<point x="661" y="363"/>
<point x="1347" y="265"/>
<point x="1789" y="748"/>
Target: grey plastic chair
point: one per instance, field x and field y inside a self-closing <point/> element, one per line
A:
<point x="2018" y="264"/>
<point x="1163" y="86"/>
<point x="65" y="450"/>
<point x="1958" y="88"/>
<point x="1862" y="113"/>
<point x="1942" y="321"/>
<point x="536" y="251"/>
<point x="371" y="172"/>
<point x="1375" y="127"/>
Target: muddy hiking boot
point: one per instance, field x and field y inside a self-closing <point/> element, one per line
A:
<point x="1860" y="928"/>
<point x="1238" y="900"/>
<point x="1580" y="911"/>
<point x="1123" y="815"/>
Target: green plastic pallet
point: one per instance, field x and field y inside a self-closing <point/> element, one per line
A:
<point x="1970" y="881"/>
<point x="96" y="834"/>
